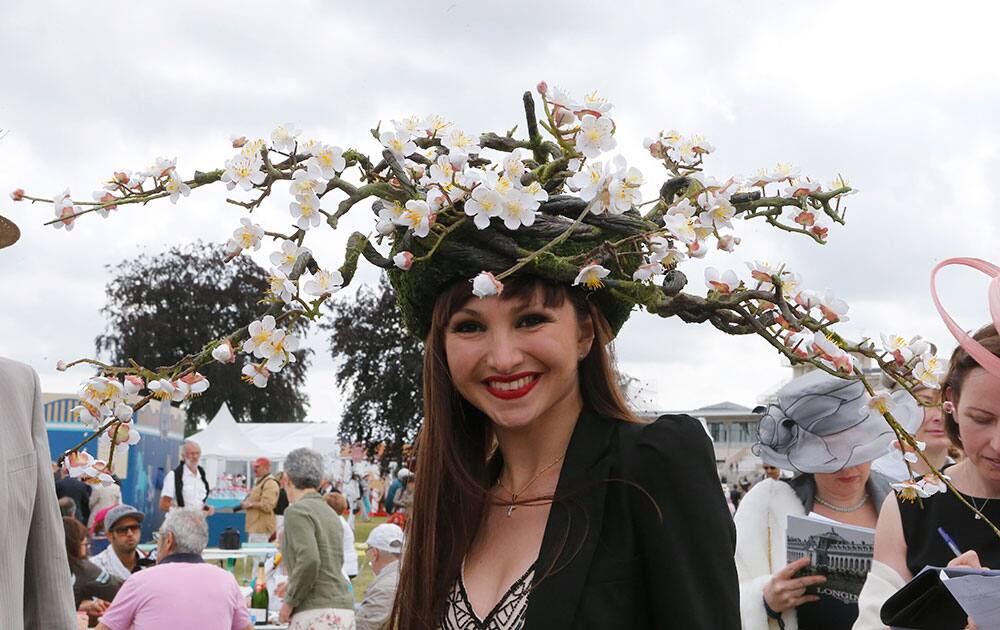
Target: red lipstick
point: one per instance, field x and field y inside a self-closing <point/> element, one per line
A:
<point x="500" y="385"/>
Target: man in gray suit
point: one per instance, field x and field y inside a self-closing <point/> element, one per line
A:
<point x="35" y="591"/>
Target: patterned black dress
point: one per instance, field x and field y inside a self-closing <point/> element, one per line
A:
<point x="508" y="614"/>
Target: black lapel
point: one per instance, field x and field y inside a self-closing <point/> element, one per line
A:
<point x="574" y="525"/>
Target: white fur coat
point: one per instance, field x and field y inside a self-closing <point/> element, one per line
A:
<point x="761" y="521"/>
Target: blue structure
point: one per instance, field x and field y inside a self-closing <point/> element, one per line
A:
<point x="162" y="429"/>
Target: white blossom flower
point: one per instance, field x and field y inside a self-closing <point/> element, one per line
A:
<point x="256" y="374"/>
<point x="623" y="190"/>
<point x="910" y="490"/>
<point x="223" y="353"/>
<point x="261" y="332"/>
<point x="536" y="191"/>
<point x="176" y="187"/>
<point x="253" y="149"/>
<point x="104" y="196"/>
<point x="929" y="371"/>
<point x="457" y="141"/>
<point x="304" y="184"/>
<point x="162" y="388"/>
<point x="417" y="216"/>
<point x="647" y="271"/>
<point x="719" y="212"/>
<point x="595" y="135"/>
<point x="482" y="205"/>
<point x="411" y="125"/>
<point x="306" y="211"/>
<point x="244" y="171"/>
<point x="513" y="165"/>
<point x="322" y="282"/>
<point x="486" y="284"/>
<point x="517" y="208"/>
<point x="932" y="484"/>
<point x="763" y="272"/>
<point x="283" y="137"/>
<point x="593" y="103"/>
<point x="285" y="258"/>
<point x="403" y="260"/>
<point x="280" y="286"/>
<point x="326" y="161"/>
<point x="662" y="250"/>
<point x="589" y="181"/>
<point x="160" y="167"/>
<point x="399" y="143"/>
<point x="65" y="210"/>
<point x="132" y="384"/>
<point x="591" y="276"/>
<point x="783" y="172"/>
<point x="124" y="434"/>
<point x="801" y="188"/>
<point x="799" y="342"/>
<point x="898" y="347"/>
<point x="832" y="354"/>
<point x="282" y="345"/>
<point x="248" y="235"/>
<point x="725" y="282"/>
<point x="123" y="412"/>
<point x="728" y="242"/>
<point x="680" y="222"/>
<point x="435" y="124"/>
<point x="840" y="182"/>
<point x="833" y="308"/>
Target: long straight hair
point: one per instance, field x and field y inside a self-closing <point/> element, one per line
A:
<point x="457" y="458"/>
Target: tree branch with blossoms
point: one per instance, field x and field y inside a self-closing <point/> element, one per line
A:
<point x="437" y="188"/>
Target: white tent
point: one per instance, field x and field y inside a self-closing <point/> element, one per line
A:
<point x="223" y="441"/>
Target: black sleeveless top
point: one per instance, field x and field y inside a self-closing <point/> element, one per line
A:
<point x="925" y="547"/>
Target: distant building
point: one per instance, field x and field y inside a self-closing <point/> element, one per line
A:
<point x="733" y="429"/>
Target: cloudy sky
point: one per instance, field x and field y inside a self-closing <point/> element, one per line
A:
<point x="899" y="97"/>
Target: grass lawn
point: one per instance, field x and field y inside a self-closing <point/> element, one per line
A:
<point x="365" y="575"/>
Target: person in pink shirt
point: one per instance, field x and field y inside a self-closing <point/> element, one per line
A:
<point x="181" y="591"/>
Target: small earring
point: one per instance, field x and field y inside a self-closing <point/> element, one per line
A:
<point x="948" y="407"/>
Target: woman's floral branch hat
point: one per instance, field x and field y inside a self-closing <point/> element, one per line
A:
<point x="553" y="199"/>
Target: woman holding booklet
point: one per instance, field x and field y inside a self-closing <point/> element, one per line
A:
<point x="907" y="538"/>
<point x="822" y="427"/>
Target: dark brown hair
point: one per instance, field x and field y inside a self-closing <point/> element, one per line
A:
<point x="76" y="533"/>
<point x="958" y="369"/>
<point x="457" y="462"/>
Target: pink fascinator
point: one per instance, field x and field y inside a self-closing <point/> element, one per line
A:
<point x="983" y="357"/>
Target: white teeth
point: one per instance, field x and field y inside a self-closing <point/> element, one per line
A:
<point x="513" y="385"/>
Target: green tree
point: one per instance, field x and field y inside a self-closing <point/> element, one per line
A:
<point x="379" y="371"/>
<point x="160" y="307"/>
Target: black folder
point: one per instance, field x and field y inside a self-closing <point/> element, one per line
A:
<point x="924" y="603"/>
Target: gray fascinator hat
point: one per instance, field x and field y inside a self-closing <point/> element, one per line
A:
<point x="822" y="424"/>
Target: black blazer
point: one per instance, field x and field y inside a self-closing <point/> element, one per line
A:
<point x="622" y="565"/>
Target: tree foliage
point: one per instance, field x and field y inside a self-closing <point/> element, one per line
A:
<point x="160" y="307"/>
<point x="379" y="367"/>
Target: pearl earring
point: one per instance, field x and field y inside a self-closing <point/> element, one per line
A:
<point x="948" y="407"/>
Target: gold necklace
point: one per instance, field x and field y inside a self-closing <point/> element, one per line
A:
<point x="513" y="495"/>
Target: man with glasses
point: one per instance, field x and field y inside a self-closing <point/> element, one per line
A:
<point x="123" y="523"/>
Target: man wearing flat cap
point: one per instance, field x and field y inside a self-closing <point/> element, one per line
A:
<point x="260" y="503"/>
<point x="121" y="557"/>
<point x="35" y="591"/>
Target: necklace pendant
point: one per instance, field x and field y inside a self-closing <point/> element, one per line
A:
<point x="978" y="518"/>
<point x="510" y="510"/>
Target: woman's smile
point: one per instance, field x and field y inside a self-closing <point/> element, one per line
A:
<point x="512" y="386"/>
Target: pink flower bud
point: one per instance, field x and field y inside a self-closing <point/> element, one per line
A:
<point x="18" y="194"/>
<point x="562" y="116"/>
<point x="60" y="366"/>
<point x="133" y="384"/>
<point x="122" y="177"/>
<point x="542" y="87"/>
<point x="403" y="260"/>
<point x="238" y="142"/>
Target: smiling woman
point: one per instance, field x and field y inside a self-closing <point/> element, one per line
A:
<point x="541" y="501"/>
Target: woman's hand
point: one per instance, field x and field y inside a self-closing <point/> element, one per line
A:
<point x="969" y="560"/>
<point x="281" y="589"/>
<point x="285" y="615"/>
<point x="94" y="607"/>
<point x="785" y="591"/>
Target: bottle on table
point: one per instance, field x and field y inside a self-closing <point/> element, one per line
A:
<point x="259" y="599"/>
